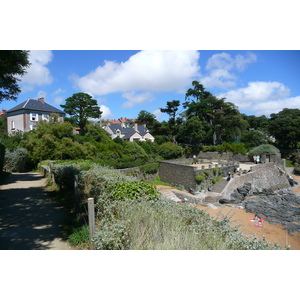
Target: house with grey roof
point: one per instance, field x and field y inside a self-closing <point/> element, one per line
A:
<point x="132" y="134"/>
<point x="25" y="116"/>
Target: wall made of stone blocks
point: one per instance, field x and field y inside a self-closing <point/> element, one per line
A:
<point x="184" y="176"/>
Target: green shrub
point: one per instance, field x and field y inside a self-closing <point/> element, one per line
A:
<point x="17" y="160"/>
<point x="207" y="173"/>
<point x="199" y="178"/>
<point x="80" y="237"/>
<point x="170" y="151"/>
<point x="149" y="168"/>
<point x="265" y="148"/>
<point x="215" y="180"/>
<point x="112" y="236"/>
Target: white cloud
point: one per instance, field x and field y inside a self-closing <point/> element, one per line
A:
<point x="158" y="114"/>
<point x="148" y="71"/>
<point x="58" y="91"/>
<point x="262" y="98"/>
<point x="227" y="62"/>
<point x="219" y="78"/>
<point x="106" y="113"/>
<point x="219" y="66"/>
<point x="134" y="99"/>
<point x="37" y="74"/>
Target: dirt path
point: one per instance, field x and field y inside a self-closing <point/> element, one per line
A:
<point x="29" y="219"/>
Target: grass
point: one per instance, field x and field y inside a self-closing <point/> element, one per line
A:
<point x="165" y="225"/>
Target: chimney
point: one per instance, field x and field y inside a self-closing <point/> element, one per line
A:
<point x="135" y="126"/>
<point x="42" y="99"/>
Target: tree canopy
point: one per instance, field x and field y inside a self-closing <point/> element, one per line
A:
<point x="285" y="127"/>
<point x="80" y="107"/>
<point x="13" y="63"/>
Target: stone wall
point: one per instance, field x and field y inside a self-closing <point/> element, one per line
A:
<point x="264" y="179"/>
<point x="184" y="176"/>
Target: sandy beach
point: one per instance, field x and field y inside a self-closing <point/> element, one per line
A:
<point x="274" y="233"/>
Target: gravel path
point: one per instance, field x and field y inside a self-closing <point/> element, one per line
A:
<point x="29" y="219"/>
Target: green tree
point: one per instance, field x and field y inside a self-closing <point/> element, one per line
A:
<point x="13" y="63"/>
<point x="217" y="115"/>
<point x="171" y="110"/>
<point x="144" y="117"/>
<point x="285" y="127"/>
<point x="253" y="138"/>
<point x="80" y="107"/>
<point x="191" y="132"/>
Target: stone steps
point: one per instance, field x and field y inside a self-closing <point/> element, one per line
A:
<point x="170" y="195"/>
<point x="219" y="186"/>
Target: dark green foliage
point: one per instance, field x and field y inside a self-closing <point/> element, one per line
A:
<point x="191" y="132"/>
<point x="13" y="63"/>
<point x="150" y="168"/>
<point x="170" y="151"/>
<point x="253" y="138"/>
<point x="80" y="107"/>
<point x="226" y="147"/>
<point x="285" y="127"/>
<point x="295" y="159"/>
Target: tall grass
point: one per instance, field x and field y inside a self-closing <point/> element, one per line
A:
<point x="165" y="225"/>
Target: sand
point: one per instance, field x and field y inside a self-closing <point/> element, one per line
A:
<point x="273" y="233"/>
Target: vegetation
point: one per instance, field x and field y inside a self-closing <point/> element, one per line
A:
<point x="13" y="64"/>
<point x="80" y="107"/>
<point x="132" y="215"/>
<point x="265" y="148"/>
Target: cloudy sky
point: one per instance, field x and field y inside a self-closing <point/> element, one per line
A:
<point x="125" y="82"/>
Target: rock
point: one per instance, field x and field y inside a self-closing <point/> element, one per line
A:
<point x="282" y="208"/>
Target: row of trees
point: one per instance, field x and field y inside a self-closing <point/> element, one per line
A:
<point x="207" y="120"/>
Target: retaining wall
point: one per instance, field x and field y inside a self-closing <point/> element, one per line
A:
<point x="184" y="176"/>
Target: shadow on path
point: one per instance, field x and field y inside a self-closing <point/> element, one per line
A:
<point x="29" y="219"/>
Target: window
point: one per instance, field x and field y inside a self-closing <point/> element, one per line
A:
<point x="45" y="117"/>
<point x="13" y="127"/>
<point x="33" y="117"/>
<point x="32" y="127"/>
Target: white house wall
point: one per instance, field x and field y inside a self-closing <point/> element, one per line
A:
<point x="135" y="137"/>
<point x="22" y="120"/>
<point x="148" y="136"/>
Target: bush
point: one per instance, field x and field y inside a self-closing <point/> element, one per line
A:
<point x="265" y="148"/>
<point x="199" y="178"/>
<point x="295" y="159"/>
<point x="17" y="160"/>
<point x="150" y="168"/>
<point x="170" y="151"/>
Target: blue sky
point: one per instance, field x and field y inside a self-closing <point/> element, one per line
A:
<point x="259" y="82"/>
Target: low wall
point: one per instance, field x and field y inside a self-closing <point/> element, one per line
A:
<point x="235" y="182"/>
<point x="264" y="178"/>
<point x="184" y="176"/>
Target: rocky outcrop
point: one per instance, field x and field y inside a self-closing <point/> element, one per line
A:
<point x="268" y="196"/>
<point x="282" y="208"/>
